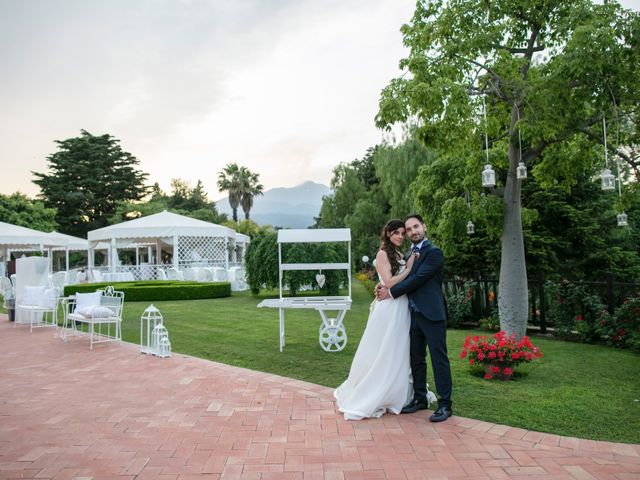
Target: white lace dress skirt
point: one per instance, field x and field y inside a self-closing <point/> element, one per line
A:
<point x="379" y="379"/>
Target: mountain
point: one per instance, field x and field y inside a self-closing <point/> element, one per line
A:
<point x="292" y="207"/>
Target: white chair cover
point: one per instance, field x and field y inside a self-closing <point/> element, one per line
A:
<point x="219" y="274"/>
<point x="32" y="271"/>
<point x="190" y="274"/>
<point x="205" y="275"/>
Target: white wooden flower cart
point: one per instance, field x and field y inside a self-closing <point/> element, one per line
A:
<point x="332" y="333"/>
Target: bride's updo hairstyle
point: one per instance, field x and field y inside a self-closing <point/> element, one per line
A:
<point x="388" y="247"/>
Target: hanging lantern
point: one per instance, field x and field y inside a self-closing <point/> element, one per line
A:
<point x="471" y="229"/>
<point x="521" y="171"/>
<point x="488" y="176"/>
<point x="149" y="320"/>
<point x="608" y="180"/>
<point x="622" y="219"/>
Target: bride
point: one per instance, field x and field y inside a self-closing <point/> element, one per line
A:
<point x="379" y="379"/>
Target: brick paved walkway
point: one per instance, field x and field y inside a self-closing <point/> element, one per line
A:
<point x="70" y="413"/>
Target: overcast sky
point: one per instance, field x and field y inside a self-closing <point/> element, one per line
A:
<point x="287" y="88"/>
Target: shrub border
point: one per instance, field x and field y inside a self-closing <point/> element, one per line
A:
<point x="145" y="291"/>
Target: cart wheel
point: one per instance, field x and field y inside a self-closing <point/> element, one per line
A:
<point x="333" y="339"/>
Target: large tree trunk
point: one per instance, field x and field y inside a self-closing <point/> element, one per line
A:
<point x="513" y="299"/>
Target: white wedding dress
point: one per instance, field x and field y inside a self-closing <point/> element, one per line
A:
<point x="380" y="375"/>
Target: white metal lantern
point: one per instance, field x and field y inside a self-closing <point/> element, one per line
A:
<point x="488" y="176"/>
<point x="149" y="320"/>
<point x="608" y="180"/>
<point x="521" y="171"/>
<point x="622" y="219"/>
<point x="471" y="229"/>
<point x="160" y="337"/>
<point x="164" y="347"/>
<point x="365" y="259"/>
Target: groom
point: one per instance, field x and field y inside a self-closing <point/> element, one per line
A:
<point x="428" y="320"/>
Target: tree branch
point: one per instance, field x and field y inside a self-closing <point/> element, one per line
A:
<point x="633" y="163"/>
<point x="482" y="66"/>
<point x="538" y="149"/>
<point x="518" y="51"/>
<point x="528" y="54"/>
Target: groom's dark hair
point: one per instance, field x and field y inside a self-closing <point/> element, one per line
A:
<point x="416" y="216"/>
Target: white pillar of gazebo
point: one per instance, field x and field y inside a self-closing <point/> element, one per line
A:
<point x="66" y="258"/>
<point x="149" y="255"/>
<point x="137" y="255"/>
<point x="175" y="251"/>
<point x="113" y="256"/>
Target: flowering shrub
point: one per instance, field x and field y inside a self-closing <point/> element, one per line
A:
<point x="459" y="304"/>
<point x="573" y="310"/>
<point x="499" y="353"/>
<point x="492" y="322"/>
<point x="623" y="328"/>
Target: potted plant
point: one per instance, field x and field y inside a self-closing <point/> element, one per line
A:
<point x="498" y="354"/>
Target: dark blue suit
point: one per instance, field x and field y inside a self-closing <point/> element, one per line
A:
<point x="428" y="322"/>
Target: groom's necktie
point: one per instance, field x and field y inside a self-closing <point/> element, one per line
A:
<point x="414" y="249"/>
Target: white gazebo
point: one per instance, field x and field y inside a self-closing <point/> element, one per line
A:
<point x="189" y="241"/>
<point x="15" y="237"/>
<point x="74" y="244"/>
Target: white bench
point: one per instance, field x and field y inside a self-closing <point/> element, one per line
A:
<point x="101" y="309"/>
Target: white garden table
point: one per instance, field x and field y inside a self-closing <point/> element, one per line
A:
<point x="332" y="333"/>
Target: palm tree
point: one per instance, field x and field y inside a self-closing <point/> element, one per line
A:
<point x="251" y="188"/>
<point x="230" y="180"/>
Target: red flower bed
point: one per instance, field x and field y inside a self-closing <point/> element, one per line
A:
<point x="500" y="352"/>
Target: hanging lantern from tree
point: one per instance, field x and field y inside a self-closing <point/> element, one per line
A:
<point x="471" y="229"/>
<point x="622" y="219"/>
<point x="608" y="180"/>
<point x="521" y="171"/>
<point x="488" y="176"/>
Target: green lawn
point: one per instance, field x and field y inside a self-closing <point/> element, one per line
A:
<point x="581" y="390"/>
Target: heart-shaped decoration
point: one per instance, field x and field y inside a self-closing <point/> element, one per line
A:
<point x="320" y="278"/>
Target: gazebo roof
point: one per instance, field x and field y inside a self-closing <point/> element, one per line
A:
<point x="73" y="243"/>
<point x="160" y="225"/>
<point x="15" y="236"/>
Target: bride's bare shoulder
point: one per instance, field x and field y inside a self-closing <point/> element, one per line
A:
<point x="382" y="256"/>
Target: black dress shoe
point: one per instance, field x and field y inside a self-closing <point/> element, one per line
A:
<point x="441" y="414"/>
<point x="414" y="406"/>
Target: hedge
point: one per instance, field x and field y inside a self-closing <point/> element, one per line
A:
<point x="158" y="290"/>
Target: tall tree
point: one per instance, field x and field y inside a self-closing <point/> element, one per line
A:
<point x="183" y="200"/>
<point x="88" y="176"/>
<point x="549" y="70"/>
<point x="251" y="188"/>
<point x="230" y="181"/>
<point x="18" y="209"/>
<point x="357" y="202"/>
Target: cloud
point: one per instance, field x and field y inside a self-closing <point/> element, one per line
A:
<point x="286" y="87"/>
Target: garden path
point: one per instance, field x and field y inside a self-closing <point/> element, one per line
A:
<point x="70" y="413"/>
